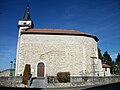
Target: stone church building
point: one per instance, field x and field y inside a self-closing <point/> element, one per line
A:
<point x="49" y="51"/>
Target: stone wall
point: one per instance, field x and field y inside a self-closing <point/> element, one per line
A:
<point x="60" y="53"/>
<point x="10" y="81"/>
<point x="75" y="81"/>
<point x="84" y="81"/>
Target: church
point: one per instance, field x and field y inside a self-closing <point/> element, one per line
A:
<point x="49" y="51"/>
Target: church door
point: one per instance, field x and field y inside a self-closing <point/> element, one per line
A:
<point x="40" y="69"/>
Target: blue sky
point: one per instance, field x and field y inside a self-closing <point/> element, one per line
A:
<point x="98" y="17"/>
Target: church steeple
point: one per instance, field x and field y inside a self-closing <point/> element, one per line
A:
<point x="27" y="14"/>
<point x="26" y="21"/>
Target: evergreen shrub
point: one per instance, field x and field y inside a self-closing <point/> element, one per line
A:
<point x="63" y="77"/>
<point x="26" y="74"/>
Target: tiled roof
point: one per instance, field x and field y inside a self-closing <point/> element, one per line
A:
<point x="57" y="32"/>
<point x="51" y="31"/>
<point x="106" y="66"/>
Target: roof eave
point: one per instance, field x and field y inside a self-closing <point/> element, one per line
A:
<point x="52" y="33"/>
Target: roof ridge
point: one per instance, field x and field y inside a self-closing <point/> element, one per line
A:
<point x="51" y="29"/>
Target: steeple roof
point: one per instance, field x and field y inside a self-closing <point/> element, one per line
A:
<point x="27" y="14"/>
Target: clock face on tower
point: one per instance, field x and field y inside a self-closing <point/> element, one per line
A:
<point x="24" y="23"/>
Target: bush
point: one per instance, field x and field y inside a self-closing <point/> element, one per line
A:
<point x="26" y="74"/>
<point x="63" y="77"/>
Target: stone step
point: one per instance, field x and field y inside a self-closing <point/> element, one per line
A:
<point x="38" y="83"/>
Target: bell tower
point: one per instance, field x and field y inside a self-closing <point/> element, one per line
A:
<point x="26" y="22"/>
<point x="23" y="24"/>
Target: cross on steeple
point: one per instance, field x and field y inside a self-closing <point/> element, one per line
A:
<point x="28" y="2"/>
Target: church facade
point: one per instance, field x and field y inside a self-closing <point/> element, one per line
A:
<point x="49" y="51"/>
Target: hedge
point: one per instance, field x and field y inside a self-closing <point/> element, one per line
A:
<point x="63" y="77"/>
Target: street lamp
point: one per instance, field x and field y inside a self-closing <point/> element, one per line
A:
<point x="14" y="63"/>
<point x="11" y="74"/>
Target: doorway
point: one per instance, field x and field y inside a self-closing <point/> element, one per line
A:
<point x="40" y="69"/>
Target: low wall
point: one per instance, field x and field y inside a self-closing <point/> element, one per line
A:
<point x="10" y="81"/>
<point x="53" y="82"/>
<point x="83" y="81"/>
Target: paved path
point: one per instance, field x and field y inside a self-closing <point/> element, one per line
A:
<point x="115" y="86"/>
